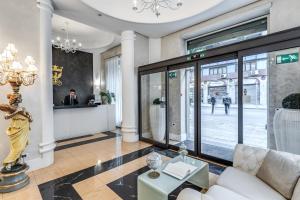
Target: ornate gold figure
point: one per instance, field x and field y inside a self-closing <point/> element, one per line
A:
<point x="14" y="73"/>
<point x="19" y="127"/>
<point x="13" y="176"/>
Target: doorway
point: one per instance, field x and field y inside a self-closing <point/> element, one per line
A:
<point x="218" y="110"/>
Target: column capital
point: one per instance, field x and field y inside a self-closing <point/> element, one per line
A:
<point x="128" y="35"/>
<point x="45" y="5"/>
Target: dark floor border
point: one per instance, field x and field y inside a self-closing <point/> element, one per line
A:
<point x="61" y="188"/>
<point x="108" y="134"/>
<point x="74" y="138"/>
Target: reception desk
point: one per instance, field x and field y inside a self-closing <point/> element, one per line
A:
<point x="80" y="120"/>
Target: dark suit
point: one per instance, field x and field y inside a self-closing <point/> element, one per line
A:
<point x="226" y="102"/>
<point x="70" y="101"/>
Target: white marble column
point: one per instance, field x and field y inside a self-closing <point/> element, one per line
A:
<point x="129" y="107"/>
<point x="47" y="145"/>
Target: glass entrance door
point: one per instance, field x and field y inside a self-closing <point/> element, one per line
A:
<point x="153" y="107"/>
<point x="218" y="110"/>
<point x="181" y="106"/>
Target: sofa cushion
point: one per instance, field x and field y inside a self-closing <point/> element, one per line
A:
<point x="190" y="194"/>
<point x="221" y="193"/>
<point x="296" y="194"/>
<point x="281" y="171"/>
<point x="247" y="185"/>
<point x="249" y="159"/>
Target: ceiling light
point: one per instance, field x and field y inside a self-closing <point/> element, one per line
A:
<point x="155" y="5"/>
<point x="67" y="46"/>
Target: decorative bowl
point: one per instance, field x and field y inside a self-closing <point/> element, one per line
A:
<point x="154" y="161"/>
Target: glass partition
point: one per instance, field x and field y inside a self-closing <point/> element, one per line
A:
<point x="182" y="107"/>
<point x="255" y="100"/>
<point x="153" y="107"/>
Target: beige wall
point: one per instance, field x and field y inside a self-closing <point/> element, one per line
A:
<point x="284" y="14"/>
<point x="19" y="24"/>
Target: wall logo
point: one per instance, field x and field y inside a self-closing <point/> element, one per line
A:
<point x="57" y="72"/>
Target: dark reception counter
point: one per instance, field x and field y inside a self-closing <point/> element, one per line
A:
<point x="74" y="106"/>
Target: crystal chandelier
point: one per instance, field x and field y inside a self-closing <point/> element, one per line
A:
<point x="68" y="45"/>
<point x="155" y="5"/>
<point x="13" y="72"/>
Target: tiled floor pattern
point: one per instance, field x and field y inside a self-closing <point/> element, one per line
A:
<point x="86" y="140"/>
<point x="120" y="158"/>
<point x="79" y="139"/>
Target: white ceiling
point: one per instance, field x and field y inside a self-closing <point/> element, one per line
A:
<point x="90" y="37"/>
<point x="88" y="14"/>
<point x="122" y="9"/>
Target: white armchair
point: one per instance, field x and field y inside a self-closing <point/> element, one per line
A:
<point x="241" y="183"/>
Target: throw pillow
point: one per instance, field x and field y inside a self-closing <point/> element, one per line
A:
<point x="281" y="171"/>
<point x="248" y="159"/>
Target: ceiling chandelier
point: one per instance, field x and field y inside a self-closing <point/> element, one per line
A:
<point x="68" y="45"/>
<point x="155" y="5"/>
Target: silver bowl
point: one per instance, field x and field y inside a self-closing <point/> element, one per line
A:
<point x="154" y="161"/>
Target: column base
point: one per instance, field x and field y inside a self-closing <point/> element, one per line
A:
<point x="129" y="134"/>
<point x="46" y="157"/>
<point x="130" y="137"/>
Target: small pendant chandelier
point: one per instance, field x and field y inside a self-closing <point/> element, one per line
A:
<point x="67" y="45"/>
<point x="155" y="5"/>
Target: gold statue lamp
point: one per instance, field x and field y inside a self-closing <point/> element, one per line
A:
<point x="12" y="176"/>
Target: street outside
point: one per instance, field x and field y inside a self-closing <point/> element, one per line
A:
<point x="221" y="130"/>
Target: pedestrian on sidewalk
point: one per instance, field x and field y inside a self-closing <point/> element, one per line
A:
<point x="213" y="103"/>
<point x="226" y="102"/>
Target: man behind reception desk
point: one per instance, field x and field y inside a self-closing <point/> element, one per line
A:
<point x="71" y="99"/>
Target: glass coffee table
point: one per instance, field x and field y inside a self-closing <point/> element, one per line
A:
<point x="160" y="188"/>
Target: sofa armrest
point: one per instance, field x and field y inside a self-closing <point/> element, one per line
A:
<point x="296" y="194"/>
<point x="248" y="159"/>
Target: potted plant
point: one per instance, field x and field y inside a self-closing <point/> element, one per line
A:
<point x="107" y="97"/>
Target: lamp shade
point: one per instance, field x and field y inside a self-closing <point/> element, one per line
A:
<point x="12" y="48"/>
<point x="16" y="66"/>
<point x="7" y="56"/>
<point x="32" y="68"/>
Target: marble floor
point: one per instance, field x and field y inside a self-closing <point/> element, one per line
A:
<point x="92" y="168"/>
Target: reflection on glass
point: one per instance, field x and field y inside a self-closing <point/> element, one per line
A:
<point x="153" y="106"/>
<point x="219" y="109"/>
<point x="255" y="95"/>
<point x="181" y="107"/>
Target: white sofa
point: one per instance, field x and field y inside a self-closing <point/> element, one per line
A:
<point x="244" y="181"/>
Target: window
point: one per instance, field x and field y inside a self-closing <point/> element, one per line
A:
<point x="231" y="69"/>
<point x="114" y="84"/>
<point x="233" y="35"/>
<point x="205" y="72"/>
<point x="247" y="67"/>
